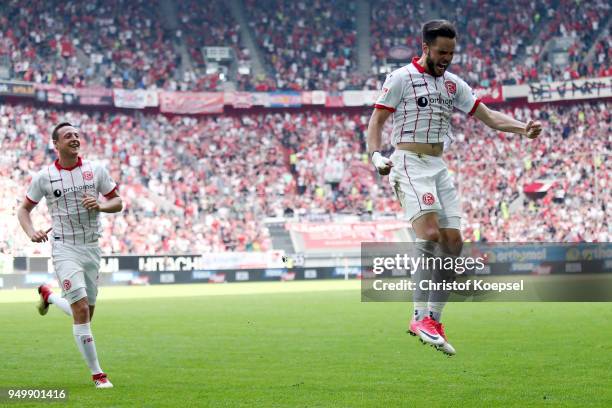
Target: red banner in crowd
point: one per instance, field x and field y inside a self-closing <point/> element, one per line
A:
<point x="242" y="100"/>
<point x="95" y="96"/>
<point x="135" y="98"/>
<point x="334" y="100"/>
<point x="331" y="236"/>
<point x="191" y="102"/>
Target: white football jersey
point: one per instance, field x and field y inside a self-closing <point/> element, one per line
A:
<point x="64" y="189"/>
<point x="422" y="104"/>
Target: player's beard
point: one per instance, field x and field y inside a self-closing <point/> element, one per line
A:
<point x="431" y="65"/>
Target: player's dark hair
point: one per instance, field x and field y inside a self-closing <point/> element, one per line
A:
<point x="437" y="28"/>
<point x="55" y="133"/>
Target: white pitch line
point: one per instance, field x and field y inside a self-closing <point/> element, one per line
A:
<point x="186" y="290"/>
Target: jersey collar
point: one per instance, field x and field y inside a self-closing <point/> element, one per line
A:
<point x="78" y="164"/>
<point x="417" y="66"/>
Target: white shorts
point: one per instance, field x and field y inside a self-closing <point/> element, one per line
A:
<point x="77" y="269"/>
<point x="422" y="185"/>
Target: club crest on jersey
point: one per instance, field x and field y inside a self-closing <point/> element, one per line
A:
<point x="87" y="175"/>
<point x="451" y="87"/>
<point x="428" y="199"/>
<point x="66" y="284"/>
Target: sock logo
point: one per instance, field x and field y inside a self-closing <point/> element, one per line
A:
<point x="66" y="284"/>
<point x="87" y="339"/>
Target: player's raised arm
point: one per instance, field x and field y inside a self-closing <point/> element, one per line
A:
<point x="500" y="121"/>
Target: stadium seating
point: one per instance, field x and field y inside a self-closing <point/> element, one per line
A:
<point x="180" y="176"/>
<point x="307" y="45"/>
<point x="115" y="43"/>
<point x="490" y="43"/>
<point x="207" y="24"/>
<point x="304" y="46"/>
<point x="581" y="22"/>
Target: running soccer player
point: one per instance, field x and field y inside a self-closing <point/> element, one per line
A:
<point x="420" y="97"/>
<point x="71" y="187"/>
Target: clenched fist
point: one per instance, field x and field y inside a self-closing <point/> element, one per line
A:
<point x="382" y="163"/>
<point x="90" y="203"/>
<point x="533" y="129"/>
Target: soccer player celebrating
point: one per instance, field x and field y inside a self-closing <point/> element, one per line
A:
<point x="71" y="187"/>
<point x="421" y="97"/>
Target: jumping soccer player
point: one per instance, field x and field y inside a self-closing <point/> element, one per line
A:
<point x="71" y="187"/>
<point x="421" y="97"/>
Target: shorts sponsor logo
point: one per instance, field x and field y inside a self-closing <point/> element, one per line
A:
<point x="87" y="175"/>
<point x="451" y="87"/>
<point x="428" y="199"/>
<point x="66" y="284"/>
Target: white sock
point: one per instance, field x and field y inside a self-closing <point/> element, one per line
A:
<point x="60" y="302"/>
<point x="85" y="342"/>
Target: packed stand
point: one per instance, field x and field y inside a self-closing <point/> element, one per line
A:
<point x="394" y="24"/>
<point x="491" y="36"/>
<point x="185" y="191"/>
<point x="111" y="43"/>
<point x="307" y="45"/>
<point x="581" y="22"/>
<point x="208" y="24"/>
<point x="160" y="165"/>
<point x="572" y="154"/>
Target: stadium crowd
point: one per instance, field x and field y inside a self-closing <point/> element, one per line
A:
<point x="580" y="21"/>
<point x="307" y="45"/>
<point x="206" y="184"/>
<point x="304" y="45"/>
<point x="207" y="24"/>
<point x="113" y="43"/>
<point x="572" y="157"/>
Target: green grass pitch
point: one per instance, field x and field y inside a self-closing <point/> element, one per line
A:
<point x="307" y="344"/>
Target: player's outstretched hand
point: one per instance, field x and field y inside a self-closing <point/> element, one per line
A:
<point x="383" y="164"/>
<point x="533" y="129"/>
<point x="40" y="236"/>
<point x="91" y="203"/>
